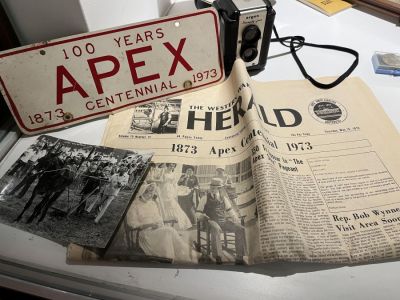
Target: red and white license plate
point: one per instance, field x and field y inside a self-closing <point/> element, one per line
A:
<point x="70" y="80"/>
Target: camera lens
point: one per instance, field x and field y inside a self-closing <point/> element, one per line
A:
<point x="249" y="54"/>
<point x="251" y="34"/>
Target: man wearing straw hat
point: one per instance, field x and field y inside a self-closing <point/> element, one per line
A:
<point x="217" y="209"/>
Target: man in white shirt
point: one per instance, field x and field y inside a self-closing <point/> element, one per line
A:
<point x="117" y="181"/>
<point x="22" y="162"/>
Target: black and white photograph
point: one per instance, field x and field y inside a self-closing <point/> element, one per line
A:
<point x="159" y="117"/>
<point x="70" y="192"/>
<point x="188" y="214"/>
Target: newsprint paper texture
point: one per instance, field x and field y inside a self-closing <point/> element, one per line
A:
<point x="251" y="172"/>
<point x="70" y="192"/>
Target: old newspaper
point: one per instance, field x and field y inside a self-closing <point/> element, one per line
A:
<point x="251" y="172"/>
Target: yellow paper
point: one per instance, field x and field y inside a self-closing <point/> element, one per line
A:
<point x="328" y="7"/>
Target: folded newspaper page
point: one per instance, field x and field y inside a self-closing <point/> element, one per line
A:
<point x="250" y="172"/>
<point x="70" y="192"/>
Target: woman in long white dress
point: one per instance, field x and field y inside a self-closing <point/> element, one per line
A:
<point x="156" y="239"/>
<point x="169" y="198"/>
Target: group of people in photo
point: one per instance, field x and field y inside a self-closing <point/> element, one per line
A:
<point x="173" y="208"/>
<point x="169" y="205"/>
<point x="51" y="168"/>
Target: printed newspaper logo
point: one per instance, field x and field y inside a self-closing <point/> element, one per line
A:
<point x="327" y="111"/>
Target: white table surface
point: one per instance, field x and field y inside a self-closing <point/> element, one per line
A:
<point x="350" y="28"/>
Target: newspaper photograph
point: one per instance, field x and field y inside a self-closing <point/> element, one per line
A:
<point x="159" y="117"/>
<point x="187" y="214"/>
<point x="324" y="169"/>
<point x="70" y="192"/>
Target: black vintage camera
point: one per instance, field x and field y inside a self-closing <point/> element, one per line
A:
<point x="246" y="27"/>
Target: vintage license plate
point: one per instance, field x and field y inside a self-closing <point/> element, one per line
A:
<point x="66" y="81"/>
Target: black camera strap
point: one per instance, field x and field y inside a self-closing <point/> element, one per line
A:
<point x="295" y="43"/>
